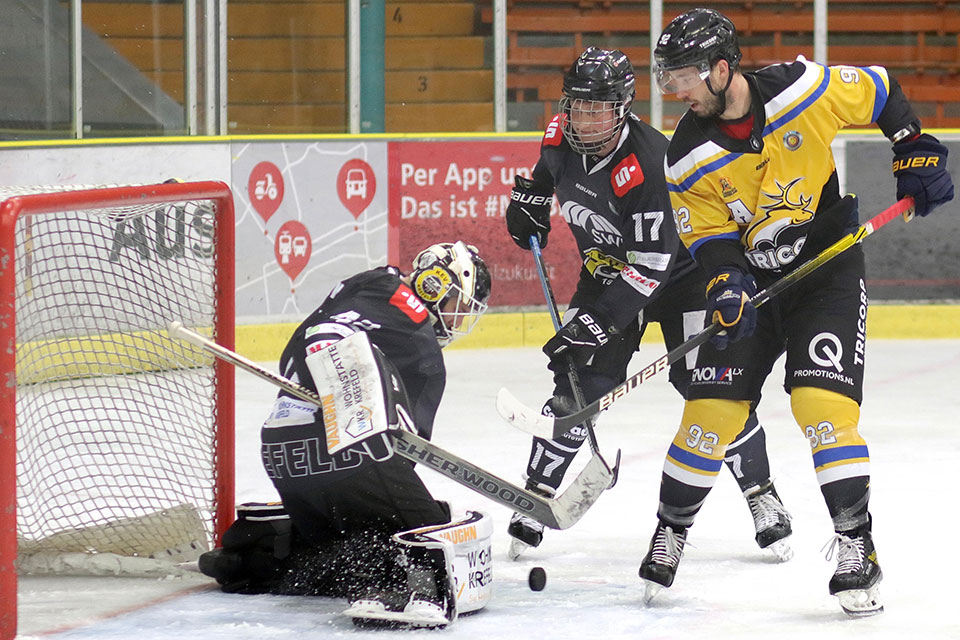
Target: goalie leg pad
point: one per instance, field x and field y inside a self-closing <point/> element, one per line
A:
<point x="427" y="600"/>
<point x="472" y="559"/>
<point x="449" y="571"/>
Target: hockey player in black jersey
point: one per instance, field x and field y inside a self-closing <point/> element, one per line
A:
<point x="364" y="527"/>
<point x="755" y="193"/>
<point x="605" y="167"/>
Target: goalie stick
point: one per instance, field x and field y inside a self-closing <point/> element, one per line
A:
<point x="533" y="422"/>
<point x="572" y="374"/>
<point x="561" y="512"/>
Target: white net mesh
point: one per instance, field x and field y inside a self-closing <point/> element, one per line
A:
<point x="116" y="422"/>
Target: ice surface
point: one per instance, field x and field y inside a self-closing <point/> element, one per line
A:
<point x="726" y="587"/>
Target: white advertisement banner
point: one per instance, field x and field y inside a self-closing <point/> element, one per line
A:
<point x="309" y="214"/>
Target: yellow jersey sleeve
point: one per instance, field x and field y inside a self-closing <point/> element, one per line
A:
<point x="857" y="95"/>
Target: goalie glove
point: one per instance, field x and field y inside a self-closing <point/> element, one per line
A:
<point x="577" y="340"/>
<point x="728" y="303"/>
<point x="920" y="166"/>
<point x="528" y="213"/>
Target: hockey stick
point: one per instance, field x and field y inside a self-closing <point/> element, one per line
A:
<point x="561" y="512"/>
<point x="572" y="374"/>
<point x="533" y="422"/>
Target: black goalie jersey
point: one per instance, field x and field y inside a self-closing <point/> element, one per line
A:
<point x="395" y="321"/>
<point x="619" y="212"/>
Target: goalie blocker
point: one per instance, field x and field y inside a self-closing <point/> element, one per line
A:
<point x="424" y="577"/>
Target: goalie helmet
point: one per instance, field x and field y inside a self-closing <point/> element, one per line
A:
<point x="698" y="38"/>
<point x="598" y="90"/>
<point x="454" y="284"/>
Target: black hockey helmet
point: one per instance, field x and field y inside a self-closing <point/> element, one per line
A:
<point x="599" y="81"/>
<point x="698" y="38"/>
<point x="453" y="282"/>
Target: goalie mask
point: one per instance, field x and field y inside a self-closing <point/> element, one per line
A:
<point x="689" y="47"/>
<point x="598" y="90"/>
<point x="454" y="284"/>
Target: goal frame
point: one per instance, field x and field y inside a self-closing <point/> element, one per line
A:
<point x="16" y="207"/>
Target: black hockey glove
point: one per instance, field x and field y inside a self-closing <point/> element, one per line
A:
<point x="528" y="213"/>
<point x="728" y="302"/>
<point x="577" y="340"/>
<point x="920" y="166"/>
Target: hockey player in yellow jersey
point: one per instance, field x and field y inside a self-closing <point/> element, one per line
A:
<point x="755" y="194"/>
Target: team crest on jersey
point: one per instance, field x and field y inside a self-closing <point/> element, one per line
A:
<point x="799" y="208"/>
<point x="728" y="188"/>
<point x="792" y="140"/>
<point x="777" y="238"/>
<point x="600" y="229"/>
<point x="602" y="266"/>
<point x="626" y="175"/>
<point x="554" y="133"/>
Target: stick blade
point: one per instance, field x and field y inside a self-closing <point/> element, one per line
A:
<point x="595" y="478"/>
<point x="522" y="417"/>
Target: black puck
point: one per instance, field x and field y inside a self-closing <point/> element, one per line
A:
<point x="537" y="579"/>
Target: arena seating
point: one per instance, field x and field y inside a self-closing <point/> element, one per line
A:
<point x="286" y="58"/>
<point x="286" y="62"/>
<point x="919" y="42"/>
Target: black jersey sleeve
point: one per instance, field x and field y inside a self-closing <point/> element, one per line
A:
<point x="897" y="113"/>
<point x="541" y="174"/>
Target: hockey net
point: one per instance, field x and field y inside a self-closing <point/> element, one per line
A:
<point x="121" y="437"/>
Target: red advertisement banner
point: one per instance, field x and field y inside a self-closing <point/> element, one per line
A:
<point x="458" y="190"/>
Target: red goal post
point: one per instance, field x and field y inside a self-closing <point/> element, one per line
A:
<point x="107" y="425"/>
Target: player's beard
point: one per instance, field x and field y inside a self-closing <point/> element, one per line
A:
<point x="712" y="106"/>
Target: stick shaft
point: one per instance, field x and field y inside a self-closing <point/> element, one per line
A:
<point x="572" y="375"/>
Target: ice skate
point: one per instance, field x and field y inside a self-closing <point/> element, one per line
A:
<point x="858" y="574"/>
<point x="524" y="533"/>
<point x="385" y="611"/>
<point x="771" y="520"/>
<point x="659" y="566"/>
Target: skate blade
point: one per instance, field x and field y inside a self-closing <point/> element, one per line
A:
<point x="860" y="603"/>
<point x="365" y="617"/>
<point x="781" y="550"/>
<point x="517" y="548"/>
<point x="650" y="590"/>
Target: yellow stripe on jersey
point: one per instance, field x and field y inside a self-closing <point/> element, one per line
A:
<point x="766" y="199"/>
